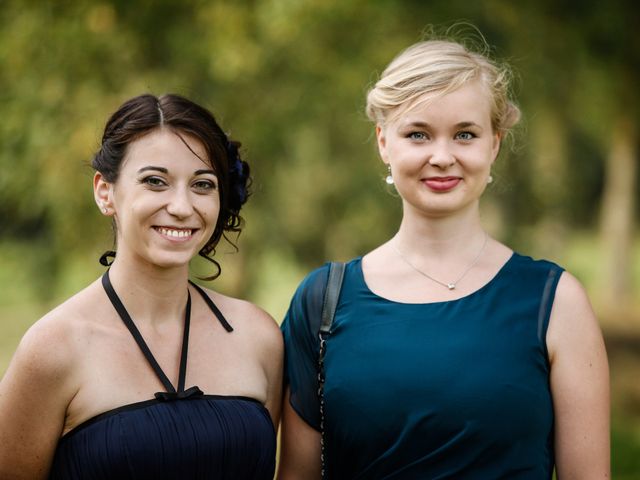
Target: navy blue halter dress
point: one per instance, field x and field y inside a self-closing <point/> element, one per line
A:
<point x="180" y="434"/>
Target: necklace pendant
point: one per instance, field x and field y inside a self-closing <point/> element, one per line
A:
<point x="450" y="286"/>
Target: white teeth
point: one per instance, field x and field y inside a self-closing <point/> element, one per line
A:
<point x="169" y="232"/>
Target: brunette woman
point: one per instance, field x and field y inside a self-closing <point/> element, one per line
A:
<point x="144" y="374"/>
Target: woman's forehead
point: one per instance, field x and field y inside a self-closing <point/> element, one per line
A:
<point x="468" y="103"/>
<point x="167" y="147"/>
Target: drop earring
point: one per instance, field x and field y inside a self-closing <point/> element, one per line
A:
<point x="389" y="178"/>
<point x="490" y="179"/>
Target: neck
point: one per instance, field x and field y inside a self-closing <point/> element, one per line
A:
<point x="150" y="294"/>
<point x="439" y="237"/>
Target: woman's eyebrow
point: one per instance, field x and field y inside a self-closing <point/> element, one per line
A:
<point x="202" y="172"/>
<point x="416" y="124"/>
<point x="467" y="124"/>
<point x="151" y="167"/>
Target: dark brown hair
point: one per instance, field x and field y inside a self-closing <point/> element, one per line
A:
<point x="146" y="113"/>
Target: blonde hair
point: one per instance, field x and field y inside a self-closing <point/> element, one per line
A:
<point x="430" y="69"/>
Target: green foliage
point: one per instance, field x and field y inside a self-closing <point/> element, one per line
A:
<point x="625" y="447"/>
<point x="288" y="79"/>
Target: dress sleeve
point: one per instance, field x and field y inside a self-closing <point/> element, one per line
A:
<point x="553" y="273"/>
<point x="300" y="330"/>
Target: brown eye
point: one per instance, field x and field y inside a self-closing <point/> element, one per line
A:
<point x="154" y="181"/>
<point x="205" y="185"/>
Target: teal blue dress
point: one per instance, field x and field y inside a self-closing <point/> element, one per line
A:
<point x="445" y="390"/>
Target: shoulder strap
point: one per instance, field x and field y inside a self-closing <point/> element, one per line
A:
<point x="331" y="295"/>
<point x="212" y="306"/>
<point x="329" y="304"/>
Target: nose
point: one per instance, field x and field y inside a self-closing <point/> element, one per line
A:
<point x="441" y="155"/>
<point x="180" y="205"/>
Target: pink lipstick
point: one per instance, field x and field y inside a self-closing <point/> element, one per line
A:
<point x="442" y="184"/>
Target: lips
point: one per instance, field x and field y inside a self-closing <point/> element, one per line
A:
<point x="442" y="184"/>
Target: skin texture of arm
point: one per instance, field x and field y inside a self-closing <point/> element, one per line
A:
<point x="299" y="447"/>
<point x="579" y="385"/>
<point x="34" y="394"/>
<point x="272" y="354"/>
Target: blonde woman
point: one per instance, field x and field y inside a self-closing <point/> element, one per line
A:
<point x="450" y="356"/>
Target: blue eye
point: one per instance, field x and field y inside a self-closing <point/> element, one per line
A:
<point x="465" y="136"/>
<point x="417" y="136"/>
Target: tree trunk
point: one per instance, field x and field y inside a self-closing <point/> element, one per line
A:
<point x="617" y="214"/>
<point x="550" y="169"/>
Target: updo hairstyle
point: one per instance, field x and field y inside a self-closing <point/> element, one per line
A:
<point x="143" y="114"/>
<point x="430" y="69"/>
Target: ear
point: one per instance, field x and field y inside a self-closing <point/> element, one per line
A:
<point x="495" y="148"/>
<point x="103" y="194"/>
<point x="382" y="143"/>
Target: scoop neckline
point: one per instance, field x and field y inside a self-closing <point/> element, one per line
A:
<point x="493" y="279"/>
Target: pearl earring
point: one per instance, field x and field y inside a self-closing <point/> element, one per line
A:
<point x="389" y="178"/>
<point x="104" y="210"/>
<point x="490" y="179"/>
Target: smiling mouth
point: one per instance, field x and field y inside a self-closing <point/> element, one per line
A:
<point x="175" y="233"/>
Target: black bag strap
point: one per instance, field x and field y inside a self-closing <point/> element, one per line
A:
<point x="331" y="294"/>
<point x="329" y="305"/>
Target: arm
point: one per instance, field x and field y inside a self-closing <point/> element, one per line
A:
<point x="34" y="394"/>
<point x="299" y="440"/>
<point x="273" y="366"/>
<point x="579" y="385"/>
<point x="299" y="447"/>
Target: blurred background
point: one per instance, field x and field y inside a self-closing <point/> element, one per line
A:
<point x="288" y="79"/>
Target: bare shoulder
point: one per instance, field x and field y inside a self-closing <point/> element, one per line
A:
<point x="573" y="320"/>
<point x="257" y="339"/>
<point x="42" y="379"/>
<point x="51" y="343"/>
<point x="571" y="301"/>
<point x="247" y="318"/>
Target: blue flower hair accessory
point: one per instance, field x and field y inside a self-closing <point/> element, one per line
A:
<point x="238" y="175"/>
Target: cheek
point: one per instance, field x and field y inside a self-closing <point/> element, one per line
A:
<point x="210" y="210"/>
<point x="211" y="218"/>
<point x="137" y="210"/>
<point x="406" y="160"/>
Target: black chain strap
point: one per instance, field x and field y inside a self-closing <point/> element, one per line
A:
<point x="329" y="305"/>
<point x="323" y="346"/>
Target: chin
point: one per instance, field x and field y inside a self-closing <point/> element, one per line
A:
<point x="441" y="206"/>
<point x="171" y="260"/>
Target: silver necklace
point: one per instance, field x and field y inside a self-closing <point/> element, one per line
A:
<point x="452" y="285"/>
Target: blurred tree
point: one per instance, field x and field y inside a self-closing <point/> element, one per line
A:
<point x="614" y="45"/>
<point x="288" y="78"/>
